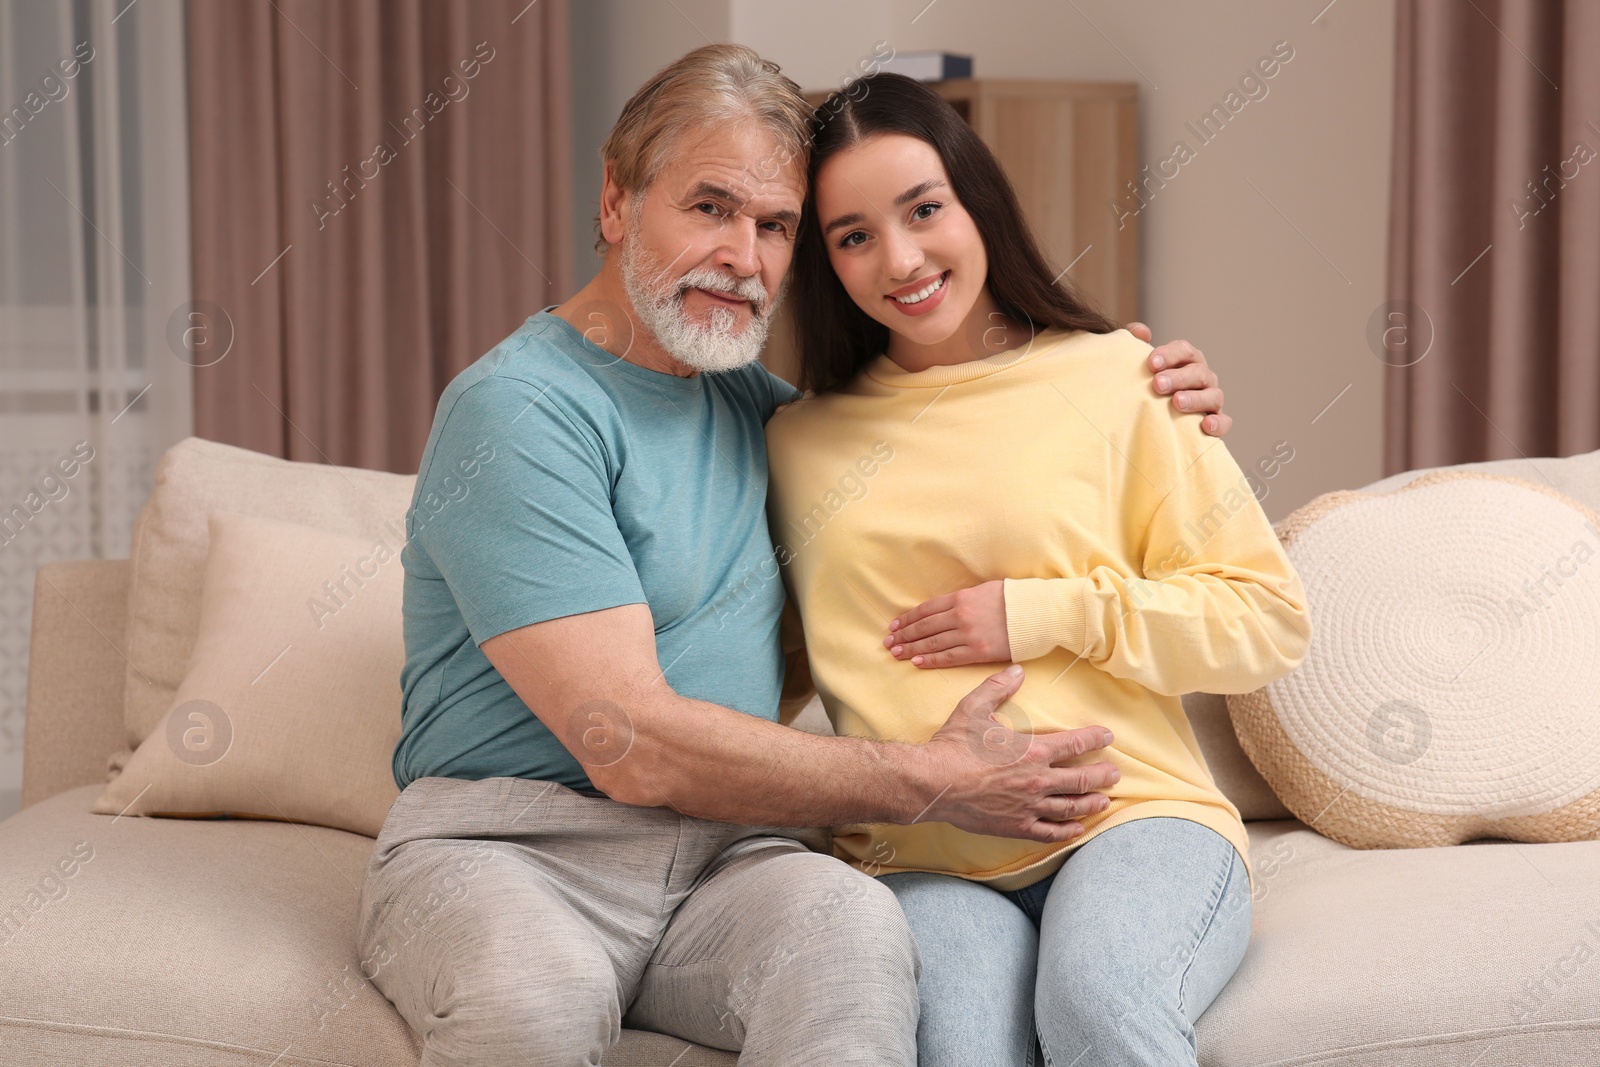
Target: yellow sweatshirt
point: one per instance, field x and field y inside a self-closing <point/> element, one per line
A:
<point x="1138" y="566"/>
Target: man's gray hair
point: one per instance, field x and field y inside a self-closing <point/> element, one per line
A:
<point x="711" y="86"/>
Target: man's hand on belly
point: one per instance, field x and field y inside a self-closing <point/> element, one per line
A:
<point x="1013" y="784"/>
<point x="649" y="746"/>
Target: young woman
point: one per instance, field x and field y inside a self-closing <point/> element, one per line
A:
<point x="981" y="474"/>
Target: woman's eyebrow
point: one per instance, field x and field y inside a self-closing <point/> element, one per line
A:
<point x="843" y="220"/>
<point x="917" y="190"/>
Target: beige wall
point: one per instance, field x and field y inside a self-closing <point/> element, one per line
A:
<point x="1266" y="249"/>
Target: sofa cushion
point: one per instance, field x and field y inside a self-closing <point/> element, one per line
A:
<point x="290" y="708"/>
<point x="170" y="541"/>
<point x="184" y="941"/>
<point x="226" y="944"/>
<point x="1450" y="691"/>
<point x="210" y="943"/>
<point x="1485" y="954"/>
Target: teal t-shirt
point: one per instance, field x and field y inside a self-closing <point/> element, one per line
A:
<point x="559" y="480"/>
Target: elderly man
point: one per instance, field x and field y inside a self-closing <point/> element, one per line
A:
<point x="595" y="781"/>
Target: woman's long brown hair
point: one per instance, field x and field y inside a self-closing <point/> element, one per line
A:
<point x="836" y="338"/>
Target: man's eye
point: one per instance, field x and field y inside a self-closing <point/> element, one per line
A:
<point x="711" y="208"/>
<point x="923" y="211"/>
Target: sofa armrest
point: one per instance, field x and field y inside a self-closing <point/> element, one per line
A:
<point x="75" y="676"/>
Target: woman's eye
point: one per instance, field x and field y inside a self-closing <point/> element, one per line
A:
<point x="923" y="211"/>
<point x="849" y="240"/>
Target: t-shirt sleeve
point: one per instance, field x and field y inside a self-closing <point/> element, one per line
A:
<point x="513" y="507"/>
<point x="780" y="391"/>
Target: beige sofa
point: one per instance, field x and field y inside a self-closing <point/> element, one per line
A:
<point x="154" y="941"/>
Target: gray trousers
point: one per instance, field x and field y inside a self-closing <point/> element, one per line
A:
<point x="513" y="921"/>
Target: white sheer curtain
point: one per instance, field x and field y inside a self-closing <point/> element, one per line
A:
<point x="94" y="280"/>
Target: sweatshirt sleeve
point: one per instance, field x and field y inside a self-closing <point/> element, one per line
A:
<point x="1215" y="606"/>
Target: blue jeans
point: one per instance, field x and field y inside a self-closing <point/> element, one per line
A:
<point x="1109" y="961"/>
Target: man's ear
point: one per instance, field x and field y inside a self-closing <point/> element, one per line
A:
<point x="615" y="207"/>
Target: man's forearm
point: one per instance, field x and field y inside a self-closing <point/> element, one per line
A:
<point x="709" y="761"/>
<point x="595" y="681"/>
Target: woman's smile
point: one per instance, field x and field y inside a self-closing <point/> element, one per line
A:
<point x="923" y="296"/>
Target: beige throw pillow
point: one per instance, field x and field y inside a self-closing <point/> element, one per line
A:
<point x="1452" y="687"/>
<point x="197" y="478"/>
<point x="290" y="708"/>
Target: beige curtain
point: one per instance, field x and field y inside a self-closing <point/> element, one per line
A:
<point x="1492" y="332"/>
<point x="380" y="193"/>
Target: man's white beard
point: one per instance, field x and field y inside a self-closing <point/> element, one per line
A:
<point x="710" y="347"/>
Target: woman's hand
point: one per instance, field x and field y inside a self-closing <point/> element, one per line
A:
<point x="967" y="626"/>
<point x="1181" y="369"/>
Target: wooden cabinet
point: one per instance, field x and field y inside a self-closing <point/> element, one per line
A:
<point x="1071" y="150"/>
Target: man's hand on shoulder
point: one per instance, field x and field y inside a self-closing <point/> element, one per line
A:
<point x="1181" y="370"/>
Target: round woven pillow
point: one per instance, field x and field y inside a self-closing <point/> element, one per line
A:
<point x="1452" y="687"/>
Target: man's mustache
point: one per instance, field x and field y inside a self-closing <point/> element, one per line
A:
<point x="747" y="289"/>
